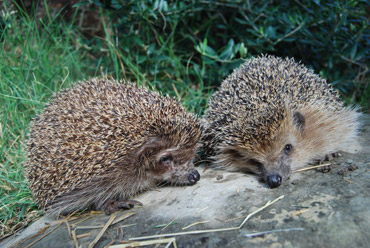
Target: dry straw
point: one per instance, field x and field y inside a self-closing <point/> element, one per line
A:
<point x="269" y="203"/>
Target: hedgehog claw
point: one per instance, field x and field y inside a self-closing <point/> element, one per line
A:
<point x="118" y="205"/>
<point x="328" y="157"/>
<point x="128" y="204"/>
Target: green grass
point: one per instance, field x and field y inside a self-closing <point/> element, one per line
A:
<point x="35" y="63"/>
<point x="180" y="48"/>
<point x="37" y="60"/>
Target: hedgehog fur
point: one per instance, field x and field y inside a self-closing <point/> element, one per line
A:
<point x="101" y="142"/>
<point x="272" y="116"/>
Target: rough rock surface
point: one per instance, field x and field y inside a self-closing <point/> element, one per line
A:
<point x="332" y="207"/>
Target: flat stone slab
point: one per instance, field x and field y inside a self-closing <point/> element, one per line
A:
<point x="333" y="208"/>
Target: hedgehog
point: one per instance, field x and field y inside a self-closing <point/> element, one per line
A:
<point x="272" y="116"/>
<point x="101" y="142"/>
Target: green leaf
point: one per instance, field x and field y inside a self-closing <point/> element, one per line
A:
<point x="243" y="50"/>
<point x="292" y="20"/>
<point x="210" y="51"/>
<point x="204" y="47"/>
<point x="227" y="53"/>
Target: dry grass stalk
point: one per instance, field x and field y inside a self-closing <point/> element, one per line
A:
<point x="300" y="211"/>
<point x="349" y="181"/>
<point x="196" y="223"/>
<point x="96" y="212"/>
<point x="199" y="211"/>
<point x="75" y="238"/>
<point x="68" y="228"/>
<point x="109" y="222"/>
<point x="88" y="227"/>
<point x="185" y="233"/>
<point x="210" y="230"/>
<point x="84" y="219"/>
<point x="123" y="217"/>
<point x="251" y="235"/>
<point x="128" y="225"/>
<point x="207" y="165"/>
<point x="269" y="203"/>
<point x="168" y="224"/>
<point x="83" y="235"/>
<point x="312" y="167"/>
<point x="63" y="220"/>
<point x="39" y="232"/>
<point x="109" y="244"/>
<point x="167" y="241"/>
<point x="43" y="236"/>
<point x="173" y="241"/>
<point x="176" y="92"/>
<point x="163" y="225"/>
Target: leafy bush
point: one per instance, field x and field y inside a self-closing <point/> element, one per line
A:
<point x="198" y="43"/>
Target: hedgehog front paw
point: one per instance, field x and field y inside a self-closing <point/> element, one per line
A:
<point x="327" y="158"/>
<point x="330" y="157"/>
<point x="114" y="206"/>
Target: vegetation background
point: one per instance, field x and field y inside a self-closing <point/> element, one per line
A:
<point x="183" y="48"/>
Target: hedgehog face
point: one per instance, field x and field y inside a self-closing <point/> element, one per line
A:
<point x="271" y="160"/>
<point x="275" y="167"/>
<point x="272" y="167"/>
<point x="175" y="166"/>
<point x="278" y="156"/>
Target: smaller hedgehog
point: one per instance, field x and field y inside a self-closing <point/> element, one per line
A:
<point x="272" y="116"/>
<point x="101" y="142"/>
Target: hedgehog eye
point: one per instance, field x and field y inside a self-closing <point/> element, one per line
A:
<point x="288" y="148"/>
<point x="166" y="159"/>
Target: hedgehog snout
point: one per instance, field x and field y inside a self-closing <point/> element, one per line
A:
<point x="274" y="180"/>
<point x="193" y="176"/>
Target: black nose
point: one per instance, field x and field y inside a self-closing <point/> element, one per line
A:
<point x="193" y="176"/>
<point x="274" y="180"/>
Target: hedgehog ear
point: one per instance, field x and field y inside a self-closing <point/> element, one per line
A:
<point x="299" y="120"/>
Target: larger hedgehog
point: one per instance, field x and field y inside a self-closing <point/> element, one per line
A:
<point x="101" y="142"/>
<point x="272" y="116"/>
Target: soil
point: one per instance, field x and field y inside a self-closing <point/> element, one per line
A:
<point x="331" y="205"/>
